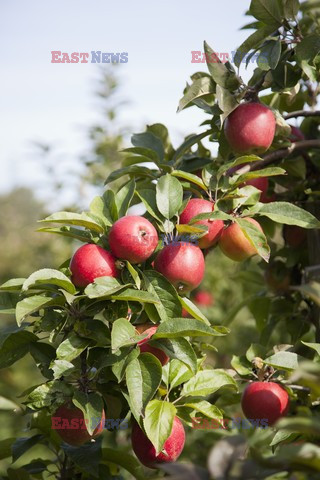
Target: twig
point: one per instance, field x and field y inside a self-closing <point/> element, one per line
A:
<point x="302" y="113"/>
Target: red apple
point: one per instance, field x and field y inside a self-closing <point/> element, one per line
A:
<point x="182" y="264"/>
<point x="250" y="128"/>
<point x="146" y="452"/>
<point x="203" y="298"/>
<point x="133" y="238"/>
<point x="185" y="313"/>
<point x="91" y="261"/>
<point x="265" y="400"/>
<point x="294" y="236"/>
<point x="145" y="347"/>
<point x="194" y="207"/>
<point x="296" y="134"/>
<point x="69" y="422"/>
<point x="235" y="244"/>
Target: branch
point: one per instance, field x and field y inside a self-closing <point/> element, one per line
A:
<point x="302" y="113"/>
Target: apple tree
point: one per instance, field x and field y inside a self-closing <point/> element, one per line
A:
<point x="124" y="352"/>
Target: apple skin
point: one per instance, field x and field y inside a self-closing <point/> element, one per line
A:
<point x="146" y="348"/>
<point x="250" y="128"/>
<point x="265" y="400"/>
<point x="203" y="298"/>
<point x="182" y="264"/>
<point x="185" y="313"/>
<point x="133" y="238"/>
<point x="76" y="436"/>
<point x="194" y="207"/>
<point x="294" y="236"/>
<point x="91" y="261"/>
<point x="146" y="452"/>
<point x="296" y="134"/>
<point x="234" y="244"/>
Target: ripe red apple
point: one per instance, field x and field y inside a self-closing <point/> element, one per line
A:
<point x="250" y="128"/>
<point x="294" y="236"/>
<point x="133" y="238"/>
<point x="235" y="244"/>
<point x="146" y="452"/>
<point x="89" y="262"/>
<point x="182" y="264"/>
<point x="203" y="298"/>
<point x="71" y="427"/>
<point x="265" y="400"/>
<point x="146" y="348"/>
<point x="296" y="134"/>
<point x="194" y="207"/>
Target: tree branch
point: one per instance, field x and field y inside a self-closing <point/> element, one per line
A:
<point x="302" y="113"/>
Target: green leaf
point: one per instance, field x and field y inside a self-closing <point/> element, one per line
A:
<point x="124" y="460"/>
<point x="158" y="422"/>
<point x="256" y="237"/>
<point x="15" y="285"/>
<point x="124" y="197"/>
<point x="86" y="457"/>
<point x="314" y="346"/>
<point x="283" y="360"/>
<point x="33" y="304"/>
<point x="134" y="274"/>
<point x="131" y="295"/>
<point x="206" y="408"/>
<point x="308" y="48"/>
<point x="15" y="346"/>
<point x="61" y="368"/>
<point x="241" y="365"/>
<point x="226" y="101"/>
<point x="49" y="276"/>
<point x="150" y="141"/>
<point x="143" y="377"/>
<point x="162" y="290"/>
<point x="123" y="334"/>
<point x="219" y="71"/>
<point x="269" y="55"/>
<point x="148" y="197"/>
<point x="190" y="177"/>
<point x="125" y="356"/>
<point x="253" y="42"/>
<point x="104" y="208"/>
<point x="193" y="310"/>
<point x="206" y="382"/>
<point x="79" y="219"/>
<point x="291" y="8"/>
<point x="71" y="232"/>
<point x="288" y="214"/>
<point x="5" y="447"/>
<point x="267" y="11"/>
<point x="179" y="349"/>
<point x="133" y="170"/>
<point x="71" y="347"/>
<point x="311" y="290"/>
<point x="176" y="373"/>
<point x="182" y="327"/>
<point x="7" y="404"/>
<point x="169" y="195"/>
<point x="103" y="287"/>
<point x="91" y="405"/>
<point x="22" y="445"/>
<point x="200" y="87"/>
<point x="266" y="172"/>
<point x="188" y="143"/>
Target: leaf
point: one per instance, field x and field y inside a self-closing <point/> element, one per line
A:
<point x="187" y="144"/>
<point x="226" y="101"/>
<point x="288" y="214"/>
<point x="314" y="346"/>
<point x="134" y="274"/>
<point x="179" y="349"/>
<point x="311" y="290"/>
<point x="150" y="141"/>
<point x="22" y="445"/>
<point x="132" y="170"/>
<point x="61" y="368"/>
<point x="266" y="172"/>
<point x="124" y="197"/>
<point x="291" y="8"/>
<point x="267" y="11"/>
<point x="91" y="405"/>
<point x="206" y="408"/>
<point x="33" y="304"/>
<point x="131" y="295"/>
<point x="308" y="48"/>
<point x="124" y="460"/>
<point x="169" y="195"/>
<point x="193" y="310"/>
<point x="122" y="334"/>
<point x="7" y="404"/>
<point x="103" y="287"/>
<point x="79" y="219"/>
<point x="200" y="87"/>
<point x="104" y="208"/>
<point x="125" y="356"/>
<point x="162" y="290"/>
<point x="158" y="422"/>
<point x="143" y="377"/>
<point x="219" y="71"/>
<point x="206" y="382"/>
<point x="66" y="231"/>
<point x="182" y="327"/>
<point x="49" y="276"/>
<point x="283" y="360"/>
<point x="253" y="42"/>
<point x="256" y="237"/>
<point x="71" y="347"/>
<point x="15" y="285"/>
<point x="269" y="55"/>
<point x="190" y="177"/>
<point x="87" y="457"/>
<point x="15" y="346"/>
<point x="148" y="197"/>
<point x="5" y="447"/>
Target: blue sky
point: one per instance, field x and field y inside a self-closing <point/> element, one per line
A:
<point x="54" y="103"/>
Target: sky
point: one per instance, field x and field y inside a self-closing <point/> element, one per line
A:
<point x="54" y="103"/>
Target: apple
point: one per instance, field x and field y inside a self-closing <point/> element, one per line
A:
<point x="70" y="424"/>
<point x="133" y="238"/>
<point x="91" y="261"/>
<point x="296" y="134"/>
<point x="294" y="236"/>
<point x="194" y="207"/>
<point x="203" y="298"/>
<point x="185" y="313"/>
<point x="250" y="128"/>
<point x="277" y="276"/>
<point x="146" y="348"/>
<point x="265" y="400"/>
<point x="182" y="264"/>
<point x="146" y="452"/>
<point x="235" y="244"/>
